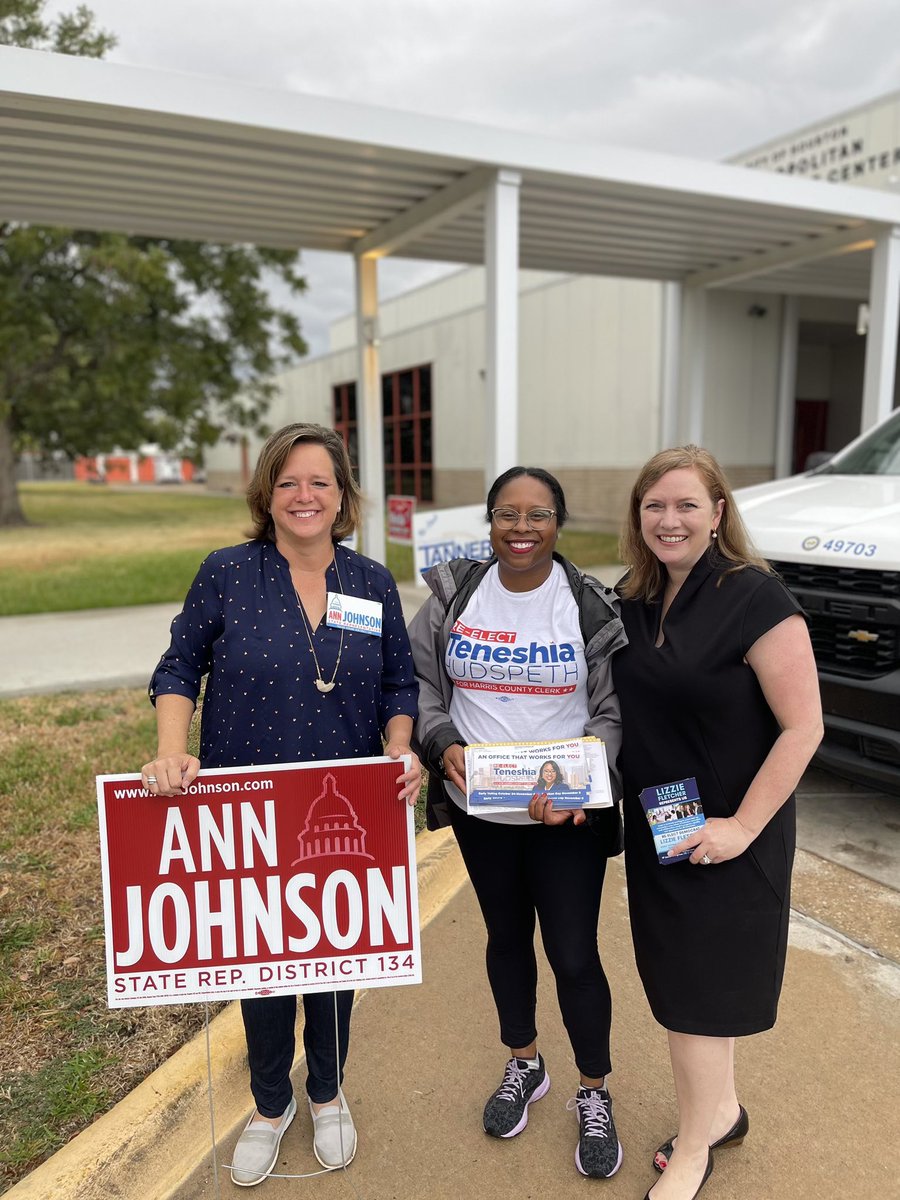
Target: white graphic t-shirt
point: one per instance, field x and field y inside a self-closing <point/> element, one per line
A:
<point x="516" y="660"/>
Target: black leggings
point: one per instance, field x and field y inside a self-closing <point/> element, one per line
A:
<point x="556" y="872"/>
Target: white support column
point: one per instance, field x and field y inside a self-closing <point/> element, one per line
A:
<point x="881" y="342"/>
<point x="368" y="407"/>
<point x="787" y="389"/>
<point x="501" y="256"/>
<point x="694" y="367"/>
<point x="670" y="364"/>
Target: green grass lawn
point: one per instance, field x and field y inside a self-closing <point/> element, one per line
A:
<point x="64" y="1057"/>
<point x="98" y="547"/>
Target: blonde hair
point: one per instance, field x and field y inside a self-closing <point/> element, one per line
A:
<point x="269" y="465"/>
<point x="645" y="575"/>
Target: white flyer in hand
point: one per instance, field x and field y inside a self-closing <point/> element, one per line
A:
<point x="503" y="776"/>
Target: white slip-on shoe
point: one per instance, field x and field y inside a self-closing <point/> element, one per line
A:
<point x="334" y="1134"/>
<point x="257" y="1148"/>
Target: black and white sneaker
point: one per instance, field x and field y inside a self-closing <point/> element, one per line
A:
<point x="506" y="1112"/>
<point x="599" y="1152"/>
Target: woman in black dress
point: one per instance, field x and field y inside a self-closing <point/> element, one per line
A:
<point x="718" y="682"/>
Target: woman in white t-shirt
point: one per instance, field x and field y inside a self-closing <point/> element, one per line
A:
<point x="518" y="649"/>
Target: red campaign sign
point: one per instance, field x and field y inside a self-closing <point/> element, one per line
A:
<point x="259" y="881"/>
<point x="400" y="513"/>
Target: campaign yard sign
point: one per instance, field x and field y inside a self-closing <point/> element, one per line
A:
<point x="259" y="881"/>
<point x="400" y="512"/>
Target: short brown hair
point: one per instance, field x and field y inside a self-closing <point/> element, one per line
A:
<point x="271" y="460"/>
<point x="645" y="576"/>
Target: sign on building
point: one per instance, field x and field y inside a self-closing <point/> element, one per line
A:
<point x="860" y="146"/>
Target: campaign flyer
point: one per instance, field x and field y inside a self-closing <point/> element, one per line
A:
<point x="674" y="812"/>
<point x="503" y="776"/>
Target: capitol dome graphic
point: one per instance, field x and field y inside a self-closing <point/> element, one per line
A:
<point x="332" y="827"/>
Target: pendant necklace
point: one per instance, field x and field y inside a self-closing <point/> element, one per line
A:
<point x="321" y="683"/>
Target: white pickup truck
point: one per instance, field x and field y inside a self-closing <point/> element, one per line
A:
<point x="833" y="534"/>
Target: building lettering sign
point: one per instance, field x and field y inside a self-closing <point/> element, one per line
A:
<point x="259" y="881"/>
<point x="447" y="533"/>
<point x="860" y="148"/>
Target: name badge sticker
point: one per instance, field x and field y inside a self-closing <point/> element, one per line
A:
<point x="353" y="613"/>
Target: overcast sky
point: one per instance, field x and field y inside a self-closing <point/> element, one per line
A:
<point x="705" y="78"/>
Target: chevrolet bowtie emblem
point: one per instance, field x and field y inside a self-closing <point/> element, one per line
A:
<point x="863" y="635"/>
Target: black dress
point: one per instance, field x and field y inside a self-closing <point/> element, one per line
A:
<point x="709" y="941"/>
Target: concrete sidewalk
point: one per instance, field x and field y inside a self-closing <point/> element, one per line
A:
<point x="822" y="1088"/>
<point x="113" y="647"/>
<point x="98" y="648"/>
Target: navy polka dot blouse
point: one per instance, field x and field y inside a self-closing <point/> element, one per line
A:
<point x="241" y="625"/>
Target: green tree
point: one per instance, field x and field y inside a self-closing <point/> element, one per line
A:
<point x="112" y="340"/>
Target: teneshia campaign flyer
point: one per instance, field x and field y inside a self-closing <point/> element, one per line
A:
<point x="507" y="775"/>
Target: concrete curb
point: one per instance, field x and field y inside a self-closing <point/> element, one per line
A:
<point x="153" y="1140"/>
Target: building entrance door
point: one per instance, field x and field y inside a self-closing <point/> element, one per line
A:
<point x="810" y="431"/>
<point x="830" y="366"/>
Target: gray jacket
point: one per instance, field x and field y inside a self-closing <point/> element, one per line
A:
<point x="452" y="585"/>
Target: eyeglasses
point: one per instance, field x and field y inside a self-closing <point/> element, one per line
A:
<point x="508" y="518"/>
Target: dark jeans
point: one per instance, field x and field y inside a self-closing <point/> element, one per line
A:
<point x="557" y="873"/>
<point x="269" y="1026"/>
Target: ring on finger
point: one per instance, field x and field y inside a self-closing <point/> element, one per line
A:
<point x="706" y="860"/>
<point x="151" y="779"/>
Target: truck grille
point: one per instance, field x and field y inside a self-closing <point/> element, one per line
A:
<point x="835" y="650"/>
<point x="823" y="588"/>
<point x="811" y="577"/>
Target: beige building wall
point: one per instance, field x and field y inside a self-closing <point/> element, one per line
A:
<point x="588" y="388"/>
<point x="452" y="294"/>
<point x="302" y="394"/>
<point x="741" y="382"/>
<point x="589" y="385"/>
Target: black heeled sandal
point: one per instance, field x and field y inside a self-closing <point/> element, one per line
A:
<point x="706" y="1175"/>
<point x="733" y="1137"/>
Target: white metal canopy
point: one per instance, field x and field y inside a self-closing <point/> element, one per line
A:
<point x="97" y="145"/>
<point x="88" y="143"/>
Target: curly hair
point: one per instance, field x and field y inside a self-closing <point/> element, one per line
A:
<point x="270" y="463"/>
<point x="645" y="575"/>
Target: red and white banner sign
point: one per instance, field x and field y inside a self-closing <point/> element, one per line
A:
<point x="259" y="881"/>
<point x="400" y="513"/>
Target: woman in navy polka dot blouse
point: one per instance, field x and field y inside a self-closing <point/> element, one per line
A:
<point x="284" y="686"/>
